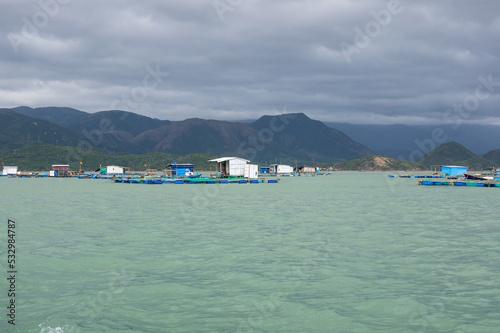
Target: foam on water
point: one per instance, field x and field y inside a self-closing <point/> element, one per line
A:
<point x="48" y="329"/>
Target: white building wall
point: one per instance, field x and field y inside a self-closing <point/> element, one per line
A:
<point x="283" y="169"/>
<point x="113" y="169"/>
<point x="9" y="170"/>
<point x="237" y="167"/>
<point x="252" y="171"/>
<point x="309" y="170"/>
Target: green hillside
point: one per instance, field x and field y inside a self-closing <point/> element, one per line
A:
<point x="41" y="158"/>
<point x="306" y="140"/>
<point x="58" y="115"/>
<point x="128" y="122"/>
<point x="17" y="131"/>
<point x="453" y="153"/>
<point x="377" y="163"/>
<point x="287" y="138"/>
<point x="493" y="156"/>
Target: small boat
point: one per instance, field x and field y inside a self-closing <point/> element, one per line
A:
<point x="198" y="175"/>
<point x="486" y="174"/>
<point x="86" y="176"/>
<point x="475" y="177"/>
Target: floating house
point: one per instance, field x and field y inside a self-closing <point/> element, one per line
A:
<point x="114" y="170"/>
<point x="280" y="169"/>
<point x="306" y="169"/>
<point x="264" y="170"/>
<point x="59" y="170"/>
<point x="9" y="170"/>
<point x="252" y="171"/>
<point x="235" y="167"/>
<point x="453" y="170"/>
<point x="179" y="170"/>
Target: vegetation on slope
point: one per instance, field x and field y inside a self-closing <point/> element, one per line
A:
<point x="493" y="156"/>
<point x="287" y="138"/>
<point x="17" y="131"/>
<point x="41" y="158"/>
<point x="376" y="163"/>
<point x="453" y="153"/>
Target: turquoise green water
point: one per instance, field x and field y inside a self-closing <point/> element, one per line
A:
<point x="349" y="252"/>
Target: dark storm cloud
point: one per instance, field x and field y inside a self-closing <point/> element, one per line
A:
<point x="353" y="61"/>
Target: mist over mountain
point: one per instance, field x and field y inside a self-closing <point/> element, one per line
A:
<point x="400" y="141"/>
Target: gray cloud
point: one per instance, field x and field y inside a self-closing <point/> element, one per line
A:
<point x="255" y="58"/>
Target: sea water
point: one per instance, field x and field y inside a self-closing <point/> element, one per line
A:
<point x="347" y="252"/>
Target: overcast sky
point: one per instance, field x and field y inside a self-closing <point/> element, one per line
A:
<point x="335" y="60"/>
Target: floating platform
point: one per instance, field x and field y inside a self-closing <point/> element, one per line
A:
<point x="158" y="181"/>
<point x="459" y="183"/>
<point x="419" y="176"/>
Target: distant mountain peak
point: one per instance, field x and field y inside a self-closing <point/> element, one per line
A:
<point x="453" y="153"/>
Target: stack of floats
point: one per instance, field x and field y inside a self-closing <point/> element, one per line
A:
<point x="148" y="180"/>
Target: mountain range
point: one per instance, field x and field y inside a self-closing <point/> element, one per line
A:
<point x="288" y="138"/>
<point x="17" y="130"/>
